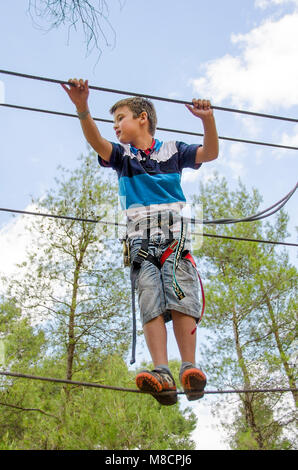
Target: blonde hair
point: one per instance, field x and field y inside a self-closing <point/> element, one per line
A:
<point x="138" y="105"/>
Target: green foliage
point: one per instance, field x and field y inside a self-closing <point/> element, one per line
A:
<point x="88" y="418"/>
<point x="68" y="318"/>
<point x="251" y="292"/>
<point x="73" y="280"/>
<point x="243" y="437"/>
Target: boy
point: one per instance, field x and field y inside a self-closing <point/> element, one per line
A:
<point x="149" y="173"/>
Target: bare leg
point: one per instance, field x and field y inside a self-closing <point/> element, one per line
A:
<point x="183" y="325"/>
<point x="157" y="381"/>
<point x="156" y="338"/>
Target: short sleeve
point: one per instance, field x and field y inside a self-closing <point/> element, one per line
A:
<point x="187" y="155"/>
<point x="116" y="158"/>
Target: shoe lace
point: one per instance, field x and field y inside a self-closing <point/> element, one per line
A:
<point x="165" y="376"/>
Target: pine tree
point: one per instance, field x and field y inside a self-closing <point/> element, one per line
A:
<point x="73" y="280"/>
<point x="250" y="292"/>
<point x="71" y="319"/>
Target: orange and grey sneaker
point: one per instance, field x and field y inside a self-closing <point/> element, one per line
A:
<point x="160" y="383"/>
<point x="193" y="381"/>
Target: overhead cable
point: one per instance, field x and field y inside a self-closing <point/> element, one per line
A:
<point x="260" y="215"/>
<point x="252" y="218"/>
<point x="133" y="390"/>
<point x="106" y="222"/>
<point x="152" y="97"/>
<point x="162" y="129"/>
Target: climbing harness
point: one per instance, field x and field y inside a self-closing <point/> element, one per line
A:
<point x="175" y="246"/>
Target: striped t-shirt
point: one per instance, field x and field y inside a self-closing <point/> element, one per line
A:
<point x="150" y="184"/>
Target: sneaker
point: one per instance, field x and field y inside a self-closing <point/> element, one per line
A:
<point x="160" y="383"/>
<point x="193" y="381"/>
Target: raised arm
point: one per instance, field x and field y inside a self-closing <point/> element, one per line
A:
<point x="210" y="148"/>
<point x="78" y="92"/>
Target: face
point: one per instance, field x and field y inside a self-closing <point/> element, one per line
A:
<point x="126" y="125"/>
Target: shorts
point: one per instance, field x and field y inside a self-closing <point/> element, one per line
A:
<point x="154" y="286"/>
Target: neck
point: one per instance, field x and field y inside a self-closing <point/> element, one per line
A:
<point x="143" y="143"/>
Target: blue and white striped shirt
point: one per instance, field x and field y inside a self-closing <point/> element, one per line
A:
<point x="149" y="184"/>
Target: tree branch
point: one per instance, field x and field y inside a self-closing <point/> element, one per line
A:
<point x="29" y="409"/>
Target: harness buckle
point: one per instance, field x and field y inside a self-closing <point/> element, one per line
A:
<point x="143" y="253"/>
<point x="173" y="245"/>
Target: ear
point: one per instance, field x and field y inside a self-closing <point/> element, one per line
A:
<point x="143" y="116"/>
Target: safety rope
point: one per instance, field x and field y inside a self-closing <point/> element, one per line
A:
<point x="152" y="97"/>
<point x="251" y="218"/>
<point x="163" y="129"/>
<point x="105" y="222"/>
<point x="134" y="390"/>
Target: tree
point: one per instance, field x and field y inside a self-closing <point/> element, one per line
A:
<point x="89" y="15"/>
<point x="70" y="318"/>
<point x="245" y="281"/>
<point x="95" y="419"/>
<point x="73" y="280"/>
<point x="24" y="346"/>
<point x="242" y="437"/>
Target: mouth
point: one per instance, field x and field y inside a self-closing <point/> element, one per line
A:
<point x="118" y="133"/>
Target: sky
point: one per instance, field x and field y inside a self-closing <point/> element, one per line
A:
<point x="237" y="54"/>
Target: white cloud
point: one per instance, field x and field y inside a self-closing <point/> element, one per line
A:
<point x="234" y="160"/>
<point x="265" y="72"/>
<point x="268" y="3"/>
<point x="209" y="434"/>
<point x="190" y="176"/>
<point x="231" y="160"/>
<point x="251" y="127"/>
<point x="288" y="139"/>
<point x="2" y="92"/>
<point x="14" y="241"/>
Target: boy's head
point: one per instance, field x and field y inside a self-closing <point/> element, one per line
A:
<point x="139" y="105"/>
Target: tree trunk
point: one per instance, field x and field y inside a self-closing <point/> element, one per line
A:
<point x="248" y="397"/>
<point x="287" y="367"/>
<point x="71" y="323"/>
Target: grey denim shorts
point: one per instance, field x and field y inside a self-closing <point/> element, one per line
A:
<point x="154" y="287"/>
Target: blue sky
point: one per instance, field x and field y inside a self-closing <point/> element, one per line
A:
<point x="167" y="48"/>
<point x="237" y="53"/>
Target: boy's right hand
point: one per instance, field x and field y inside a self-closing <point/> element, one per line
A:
<point x="78" y="92"/>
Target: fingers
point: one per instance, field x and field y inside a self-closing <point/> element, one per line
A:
<point x="65" y="87"/>
<point x="201" y="104"/>
<point x="81" y="85"/>
<point x="200" y="108"/>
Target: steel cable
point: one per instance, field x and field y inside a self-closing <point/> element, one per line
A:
<point x="106" y="222"/>
<point x="133" y="390"/>
<point x="163" y="129"/>
<point x="152" y="97"/>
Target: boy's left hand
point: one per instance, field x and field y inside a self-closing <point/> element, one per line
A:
<point x="200" y="108"/>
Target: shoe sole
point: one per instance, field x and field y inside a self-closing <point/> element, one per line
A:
<point x="193" y="382"/>
<point x="148" y="383"/>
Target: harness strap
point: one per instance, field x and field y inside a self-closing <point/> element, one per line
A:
<point x="133" y="275"/>
<point x="171" y="248"/>
<point x="190" y="258"/>
<point x="158" y="263"/>
<point x="178" y="254"/>
<point x="143" y="254"/>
